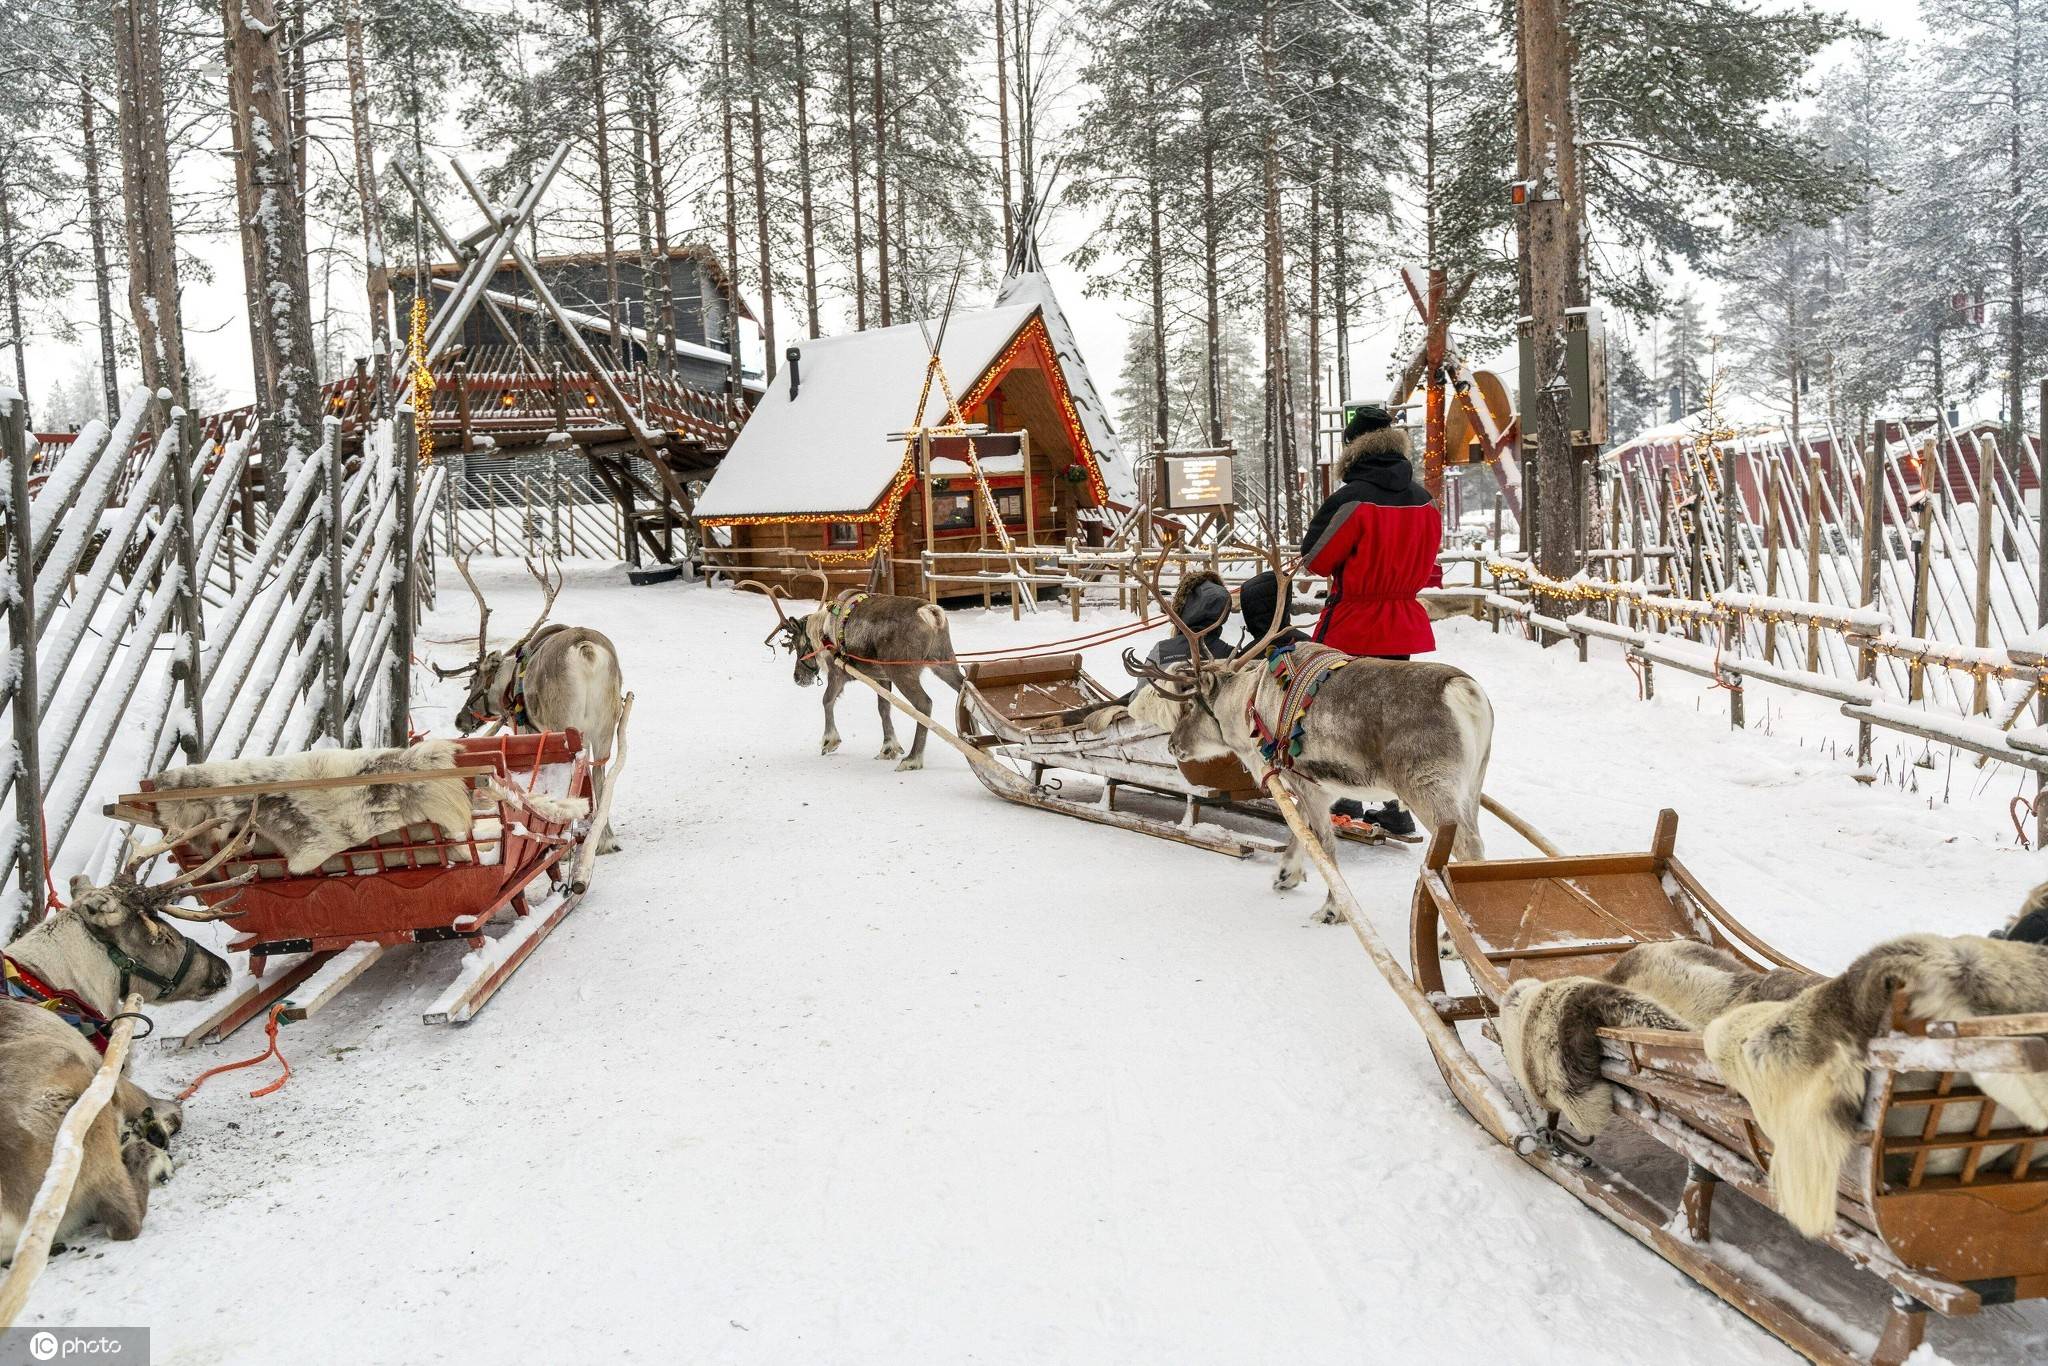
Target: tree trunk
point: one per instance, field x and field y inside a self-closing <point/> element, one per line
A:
<point x="1279" y="445"/>
<point x="860" y="265"/>
<point x="604" y="180"/>
<point x="758" y="138"/>
<point x="96" y="225"/>
<point x="1003" y="133"/>
<point x="654" y="350"/>
<point x="1155" y="256"/>
<point x="274" y="241"/>
<point x="732" y="205"/>
<point x="657" y="171"/>
<point x="376" y="271"/>
<point x="881" y="176"/>
<point x="2016" y="206"/>
<point x="1212" y="315"/>
<point x="146" y="198"/>
<point x="1340" y="284"/>
<point x="16" y="333"/>
<point x="803" y="175"/>
<point x="1547" y="167"/>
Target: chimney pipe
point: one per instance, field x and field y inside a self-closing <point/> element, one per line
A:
<point x="794" y="357"/>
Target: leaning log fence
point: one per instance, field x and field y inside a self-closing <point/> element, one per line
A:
<point x="155" y="616"/>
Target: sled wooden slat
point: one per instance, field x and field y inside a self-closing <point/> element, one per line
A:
<point x="333" y="975"/>
<point x="256" y="996"/>
<point x="1944" y="1198"/>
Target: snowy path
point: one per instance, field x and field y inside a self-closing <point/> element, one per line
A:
<point x="839" y="1064"/>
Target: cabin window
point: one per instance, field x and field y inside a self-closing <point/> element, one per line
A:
<point x="1010" y="504"/>
<point x="952" y="511"/>
<point x="839" y="534"/>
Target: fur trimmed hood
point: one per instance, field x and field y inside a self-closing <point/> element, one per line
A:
<point x="1202" y="600"/>
<point x="1380" y="457"/>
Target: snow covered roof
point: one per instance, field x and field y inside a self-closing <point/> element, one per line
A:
<point x="828" y="449"/>
<point x="1028" y="283"/>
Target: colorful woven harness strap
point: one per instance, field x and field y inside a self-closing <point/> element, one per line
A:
<point x="1300" y="670"/>
<point x="836" y="613"/>
<point x="23" y="985"/>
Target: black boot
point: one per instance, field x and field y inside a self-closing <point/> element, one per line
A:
<point x="1393" y="818"/>
<point x="1349" y="809"/>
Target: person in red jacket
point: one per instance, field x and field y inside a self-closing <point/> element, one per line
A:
<point x="1376" y="539"/>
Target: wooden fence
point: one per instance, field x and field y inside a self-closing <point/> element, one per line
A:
<point x="151" y="619"/>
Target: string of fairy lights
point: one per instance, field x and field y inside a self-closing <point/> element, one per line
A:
<point x="422" y="382"/>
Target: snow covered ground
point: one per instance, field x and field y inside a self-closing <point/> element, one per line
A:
<point x="840" y="1064"/>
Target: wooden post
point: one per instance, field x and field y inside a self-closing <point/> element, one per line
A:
<point x="1916" y="672"/>
<point x="337" y="644"/>
<point x="2041" y="606"/>
<point x="1873" y="548"/>
<point x="1499" y="503"/>
<point x="561" y="399"/>
<point x="176" y="501"/>
<point x="931" y="534"/>
<point x="1813" y="553"/>
<point x="1030" y="490"/>
<point x="462" y="416"/>
<point x="405" y="446"/>
<point x="492" y="503"/>
<point x="1773" y="534"/>
<point x="21" y="624"/>
<point x="1987" y="471"/>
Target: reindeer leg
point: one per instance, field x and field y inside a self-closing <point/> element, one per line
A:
<point x="890" y="749"/>
<point x="1315" y="809"/>
<point x="913" y="689"/>
<point x="1294" y="862"/>
<point x="835" y="679"/>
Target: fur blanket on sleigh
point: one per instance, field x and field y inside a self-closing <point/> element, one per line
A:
<point x="312" y="825"/>
<point x="1791" y="1044"/>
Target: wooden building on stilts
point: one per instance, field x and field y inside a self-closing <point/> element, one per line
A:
<point x="853" y="453"/>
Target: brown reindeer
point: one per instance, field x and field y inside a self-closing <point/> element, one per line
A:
<point x="84" y="961"/>
<point x="891" y="640"/>
<point x="1377" y="728"/>
<point x="552" y="678"/>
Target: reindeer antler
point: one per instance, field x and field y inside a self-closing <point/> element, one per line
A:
<point x="824" y="583"/>
<point x="550" y="587"/>
<point x="775" y="596"/>
<point x="224" y="911"/>
<point x="1283" y="595"/>
<point x="483" y="621"/>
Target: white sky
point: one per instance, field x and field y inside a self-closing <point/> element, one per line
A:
<point x="219" y="341"/>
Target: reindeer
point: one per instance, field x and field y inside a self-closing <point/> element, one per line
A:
<point x="891" y="640"/>
<point x="1377" y="728"/>
<point x="554" y="677"/>
<point x="83" y="962"/>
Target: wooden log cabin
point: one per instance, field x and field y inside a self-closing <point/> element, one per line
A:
<point x="832" y="467"/>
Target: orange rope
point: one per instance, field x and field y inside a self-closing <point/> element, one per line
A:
<point x="271" y="1052"/>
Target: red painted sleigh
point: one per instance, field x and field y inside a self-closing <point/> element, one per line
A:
<point x="414" y="885"/>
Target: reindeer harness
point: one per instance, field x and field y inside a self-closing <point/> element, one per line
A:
<point x="1301" y="670"/>
<point x="23" y="985"/>
<point x="834" y="628"/>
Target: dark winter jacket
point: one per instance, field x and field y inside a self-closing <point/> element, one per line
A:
<point x="1376" y="538"/>
<point x="1258" y="600"/>
<point x="1203" y="602"/>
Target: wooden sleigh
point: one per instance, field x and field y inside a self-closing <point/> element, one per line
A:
<point x="1033" y="711"/>
<point x="1945" y="1200"/>
<point x="415" y="885"/>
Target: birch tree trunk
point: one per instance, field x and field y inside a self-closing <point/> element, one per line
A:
<point x="1155" y="254"/>
<point x="17" y="335"/>
<point x="657" y="171"/>
<point x="1212" y="316"/>
<point x="732" y="203"/>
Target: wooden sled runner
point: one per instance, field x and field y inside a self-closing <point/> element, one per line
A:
<point x="1031" y="711"/>
<point x="414" y="885"/>
<point x="1944" y="1201"/>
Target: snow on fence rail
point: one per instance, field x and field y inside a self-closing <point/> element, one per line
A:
<point x="141" y="628"/>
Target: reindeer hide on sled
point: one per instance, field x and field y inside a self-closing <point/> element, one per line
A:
<point x="309" y="826"/>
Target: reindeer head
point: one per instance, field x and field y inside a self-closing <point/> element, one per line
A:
<point x="492" y="675"/>
<point x="794" y="634"/>
<point x="127" y="918"/>
<point x="1185" y="698"/>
